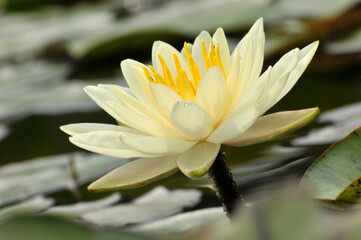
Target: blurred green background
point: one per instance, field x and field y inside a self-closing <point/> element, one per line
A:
<point x="50" y="50"/>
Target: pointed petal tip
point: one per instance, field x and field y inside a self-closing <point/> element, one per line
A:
<point x="65" y="129"/>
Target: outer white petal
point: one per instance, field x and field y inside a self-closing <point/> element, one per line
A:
<point x="112" y="86"/>
<point x="101" y="96"/>
<point x="306" y="55"/>
<point x="132" y="102"/>
<point x="164" y="98"/>
<point x="252" y="95"/>
<point x="196" y="162"/>
<point x="219" y="38"/>
<point x="234" y="127"/>
<point x="81" y="128"/>
<point x="237" y="81"/>
<point x="279" y="76"/>
<point x="156" y="44"/>
<point x="155" y="145"/>
<point x="137" y="81"/>
<point x="251" y="52"/>
<point x="136" y="173"/>
<point x="191" y="120"/>
<point x="167" y="52"/>
<point x="197" y="49"/>
<point x="211" y="93"/>
<point x="272" y="125"/>
<point x="106" y="143"/>
<point x="232" y="82"/>
<point x="141" y="122"/>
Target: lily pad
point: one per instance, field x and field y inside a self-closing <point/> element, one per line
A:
<point x="155" y="204"/>
<point x="3" y="131"/>
<point x="336" y="175"/>
<point x="49" y="174"/>
<point x="30" y="206"/>
<point x="78" y="209"/>
<point x="184" y="225"/>
<point x="340" y="121"/>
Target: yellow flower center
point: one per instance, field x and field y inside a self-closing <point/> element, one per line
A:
<point x="185" y="86"/>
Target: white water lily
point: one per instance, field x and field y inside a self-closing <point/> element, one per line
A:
<point x="177" y="113"/>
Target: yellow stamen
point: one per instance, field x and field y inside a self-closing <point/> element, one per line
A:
<point x="219" y="62"/>
<point x="167" y="76"/>
<point x="196" y="74"/>
<point x="157" y="78"/>
<point x="186" y="87"/>
<point x="212" y="54"/>
<point x="147" y="74"/>
<point x="205" y="55"/>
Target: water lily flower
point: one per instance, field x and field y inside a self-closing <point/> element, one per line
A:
<point x="178" y="111"/>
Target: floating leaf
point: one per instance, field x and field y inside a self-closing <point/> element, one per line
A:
<point x="33" y="205"/>
<point x="346" y="45"/>
<point x="3" y="131"/>
<point x="50" y="174"/>
<point x="336" y="174"/>
<point x="78" y="209"/>
<point x="158" y="203"/>
<point x="184" y="225"/>
<point x="343" y="120"/>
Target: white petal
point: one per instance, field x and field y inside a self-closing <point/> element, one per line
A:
<point x="219" y="38"/>
<point x="279" y="76"/>
<point x="197" y="49"/>
<point x="101" y="96"/>
<point x="252" y="95"/>
<point x="232" y="83"/>
<point x="305" y="57"/>
<point x="251" y="52"/>
<point x="211" y="93"/>
<point x="273" y="125"/>
<point x="141" y="122"/>
<point x="234" y="127"/>
<point x="191" y="120"/>
<point x="164" y="98"/>
<point x="106" y="143"/>
<point x="237" y="82"/>
<point x="156" y="145"/>
<point x="167" y="52"/>
<point x="137" y="173"/>
<point x="81" y="128"/>
<point x="132" y="102"/>
<point x="156" y="44"/>
<point x="196" y="162"/>
<point x="112" y="86"/>
<point x="137" y="81"/>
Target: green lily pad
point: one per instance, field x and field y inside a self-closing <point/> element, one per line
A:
<point x="335" y="176"/>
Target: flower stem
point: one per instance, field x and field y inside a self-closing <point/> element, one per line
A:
<point x="224" y="185"/>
